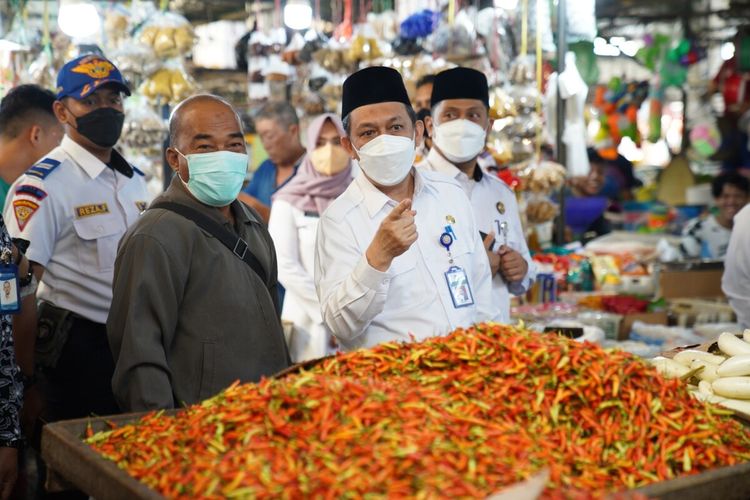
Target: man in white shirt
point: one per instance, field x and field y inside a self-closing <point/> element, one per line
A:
<point x="458" y="126"/>
<point x="74" y="206"/>
<point x="398" y="255"/>
<point x="736" y="280"/>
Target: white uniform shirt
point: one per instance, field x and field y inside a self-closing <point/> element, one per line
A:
<point x="294" y="232"/>
<point x="489" y="197"/>
<point x="74" y="210"/>
<point x="736" y="279"/>
<point x="364" y="307"/>
<point x="705" y="238"/>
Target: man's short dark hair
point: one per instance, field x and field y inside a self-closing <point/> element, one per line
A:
<point x="425" y="80"/>
<point x="733" y="179"/>
<point x="347" y="120"/>
<point x="282" y="113"/>
<point x="22" y="106"/>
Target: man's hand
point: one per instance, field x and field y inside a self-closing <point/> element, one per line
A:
<point x="8" y="471"/>
<point x="494" y="258"/>
<point x="512" y="265"/>
<point x="395" y="235"/>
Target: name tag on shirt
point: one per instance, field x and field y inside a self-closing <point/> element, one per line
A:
<point x="458" y="285"/>
<point x="10" y="298"/>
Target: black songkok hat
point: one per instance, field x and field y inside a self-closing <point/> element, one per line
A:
<point x="371" y="86"/>
<point x="460" y="83"/>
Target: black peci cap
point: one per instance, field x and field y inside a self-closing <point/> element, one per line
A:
<point x="371" y="86"/>
<point x="460" y="83"/>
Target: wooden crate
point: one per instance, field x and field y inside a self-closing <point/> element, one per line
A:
<point x="81" y="467"/>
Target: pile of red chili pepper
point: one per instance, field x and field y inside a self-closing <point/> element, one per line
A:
<point x="457" y="416"/>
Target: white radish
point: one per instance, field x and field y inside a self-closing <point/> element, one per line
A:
<point x="687" y="356"/>
<point x="732" y="387"/>
<point x="736" y="366"/>
<point x="669" y="368"/>
<point x="708" y="373"/>
<point x="704" y="386"/>
<point x="746" y="335"/>
<point x="738" y="405"/>
<point x="732" y="346"/>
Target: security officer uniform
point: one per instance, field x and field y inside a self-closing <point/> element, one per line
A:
<point x="74" y="209"/>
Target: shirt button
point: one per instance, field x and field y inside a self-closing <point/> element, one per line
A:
<point x="386" y="281"/>
<point x="99" y="229"/>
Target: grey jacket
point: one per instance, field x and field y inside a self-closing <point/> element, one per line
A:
<point x="188" y="317"/>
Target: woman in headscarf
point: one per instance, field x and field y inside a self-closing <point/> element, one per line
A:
<point x="324" y="174"/>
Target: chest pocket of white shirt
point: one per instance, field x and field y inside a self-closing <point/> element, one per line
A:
<point x="410" y="287"/>
<point x="98" y="236"/>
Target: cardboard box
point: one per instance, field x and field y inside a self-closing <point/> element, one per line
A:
<point x="693" y="283"/>
<point x="656" y="318"/>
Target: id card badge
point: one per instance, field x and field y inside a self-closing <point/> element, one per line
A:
<point x="10" y="298"/>
<point x="458" y="285"/>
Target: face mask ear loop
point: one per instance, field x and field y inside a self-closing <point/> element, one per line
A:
<point x="178" y="170"/>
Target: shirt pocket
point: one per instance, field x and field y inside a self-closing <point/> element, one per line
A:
<point x="98" y="237"/>
<point x="409" y="287"/>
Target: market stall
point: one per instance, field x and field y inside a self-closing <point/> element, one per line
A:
<point x="571" y="394"/>
<point x="463" y="415"/>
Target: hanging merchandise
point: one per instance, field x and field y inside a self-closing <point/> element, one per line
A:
<point x="586" y="61"/>
<point x="580" y="19"/>
<point x="654" y="50"/>
<point x="116" y="26"/>
<point x="618" y="104"/>
<point x="540" y="7"/>
<point x="574" y="91"/>
<point x="656" y="100"/>
<point x="705" y="137"/>
<point x="142" y="138"/>
<point x="420" y="25"/>
<point x="169" y="85"/>
<point x="169" y="34"/>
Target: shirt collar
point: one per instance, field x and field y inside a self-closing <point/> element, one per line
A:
<point x="92" y="165"/>
<point x="375" y="199"/>
<point x="178" y="193"/>
<point x="441" y="164"/>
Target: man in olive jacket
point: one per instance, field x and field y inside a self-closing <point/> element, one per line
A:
<point x="189" y="316"/>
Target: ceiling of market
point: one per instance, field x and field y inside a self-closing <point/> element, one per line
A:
<point x="708" y="19"/>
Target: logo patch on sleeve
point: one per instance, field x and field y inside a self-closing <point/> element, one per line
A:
<point x="141" y="205"/>
<point x="94" y="209"/>
<point x="24" y="209"/>
<point x="32" y="191"/>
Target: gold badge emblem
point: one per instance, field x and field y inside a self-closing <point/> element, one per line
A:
<point x="95" y="68"/>
<point x="88" y="210"/>
<point x="500" y="207"/>
<point x="450" y="219"/>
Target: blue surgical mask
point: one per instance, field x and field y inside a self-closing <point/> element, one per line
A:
<point x="215" y="178"/>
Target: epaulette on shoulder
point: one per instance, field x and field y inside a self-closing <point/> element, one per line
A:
<point x="43" y="168"/>
<point x="137" y="170"/>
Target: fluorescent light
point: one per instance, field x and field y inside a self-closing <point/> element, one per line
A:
<point x="78" y="19"/>
<point x="631" y="47"/>
<point x="602" y="48"/>
<point x="727" y="51"/>
<point x="298" y="14"/>
<point x="617" y="40"/>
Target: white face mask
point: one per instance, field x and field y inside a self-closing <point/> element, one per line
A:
<point x="459" y="140"/>
<point x="387" y="159"/>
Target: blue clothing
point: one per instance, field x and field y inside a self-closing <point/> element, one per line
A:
<point x="262" y="187"/>
<point x="263" y="184"/>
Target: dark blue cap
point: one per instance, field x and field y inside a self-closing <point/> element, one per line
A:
<point x="85" y="74"/>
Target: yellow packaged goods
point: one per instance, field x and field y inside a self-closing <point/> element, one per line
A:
<point x="451" y="417"/>
<point x="170" y="35"/>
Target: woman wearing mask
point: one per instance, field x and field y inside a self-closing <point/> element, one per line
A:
<point x="324" y="174"/>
